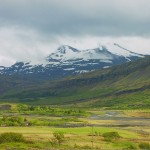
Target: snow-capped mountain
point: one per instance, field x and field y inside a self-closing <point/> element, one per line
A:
<point x="65" y="53"/>
<point x="67" y="60"/>
<point x="108" y="52"/>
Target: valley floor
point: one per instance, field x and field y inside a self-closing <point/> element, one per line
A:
<point x="81" y="128"/>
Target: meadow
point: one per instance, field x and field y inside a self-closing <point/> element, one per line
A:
<point x="47" y="127"/>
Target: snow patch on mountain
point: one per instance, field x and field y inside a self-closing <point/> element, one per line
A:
<point x="65" y="53"/>
<point x="119" y="50"/>
<point x="70" y="69"/>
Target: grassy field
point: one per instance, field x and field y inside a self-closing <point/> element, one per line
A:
<point x="80" y="137"/>
<point x="82" y="128"/>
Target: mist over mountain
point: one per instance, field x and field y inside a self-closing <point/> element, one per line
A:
<point x="67" y="60"/>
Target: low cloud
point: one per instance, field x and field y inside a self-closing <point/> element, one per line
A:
<point x="32" y="29"/>
<point x="27" y="45"/>
<point x="22" y="45"/>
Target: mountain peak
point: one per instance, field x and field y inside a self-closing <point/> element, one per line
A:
<point x="102" y="48"/>
<point x="64" y="48"/>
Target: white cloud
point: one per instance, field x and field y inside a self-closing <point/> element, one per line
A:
<point x="28" y="45"/>
<point x="22" y="45"/>
<point x="133" y="43"/>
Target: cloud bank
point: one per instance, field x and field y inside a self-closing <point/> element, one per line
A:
<point x="32" y="29"/>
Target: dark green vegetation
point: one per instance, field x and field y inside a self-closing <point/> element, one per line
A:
<point x="145" y="146"/>
<point x="66" y="117"/>
<point x="123" y="86"/>
<point x="11" y="137"/>
<point x="109" y="136"/>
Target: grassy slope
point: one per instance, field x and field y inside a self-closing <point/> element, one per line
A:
<point x="124" y="86"/>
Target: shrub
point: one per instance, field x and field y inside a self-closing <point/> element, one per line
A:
<point x="12" y="121"/>
<point x="11" y="137"/>
<point x="144" y="146"/>
<point x="109" y="136"/>
<point x="58" y="138"/>
<point x="86" y="147"/>
<point x="53" y="141"/>
<point x="131" y="147"/>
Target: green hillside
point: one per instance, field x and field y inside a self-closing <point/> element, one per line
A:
<point x="123" y="86"/>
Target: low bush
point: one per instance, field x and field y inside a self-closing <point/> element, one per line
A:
<point x="131" y="147"/>
<point x="86" y="147"/>
<point x="58" y="138"/>
<point x="144" y="146"/>
<point x="109" y="136"/>
<point x="12" y="121"/>
<point x="11" y="137"/>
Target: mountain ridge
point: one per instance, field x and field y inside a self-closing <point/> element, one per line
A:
<point x="67" y="60"/>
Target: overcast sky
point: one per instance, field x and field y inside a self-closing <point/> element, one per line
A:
<point x="32" y="29"/>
